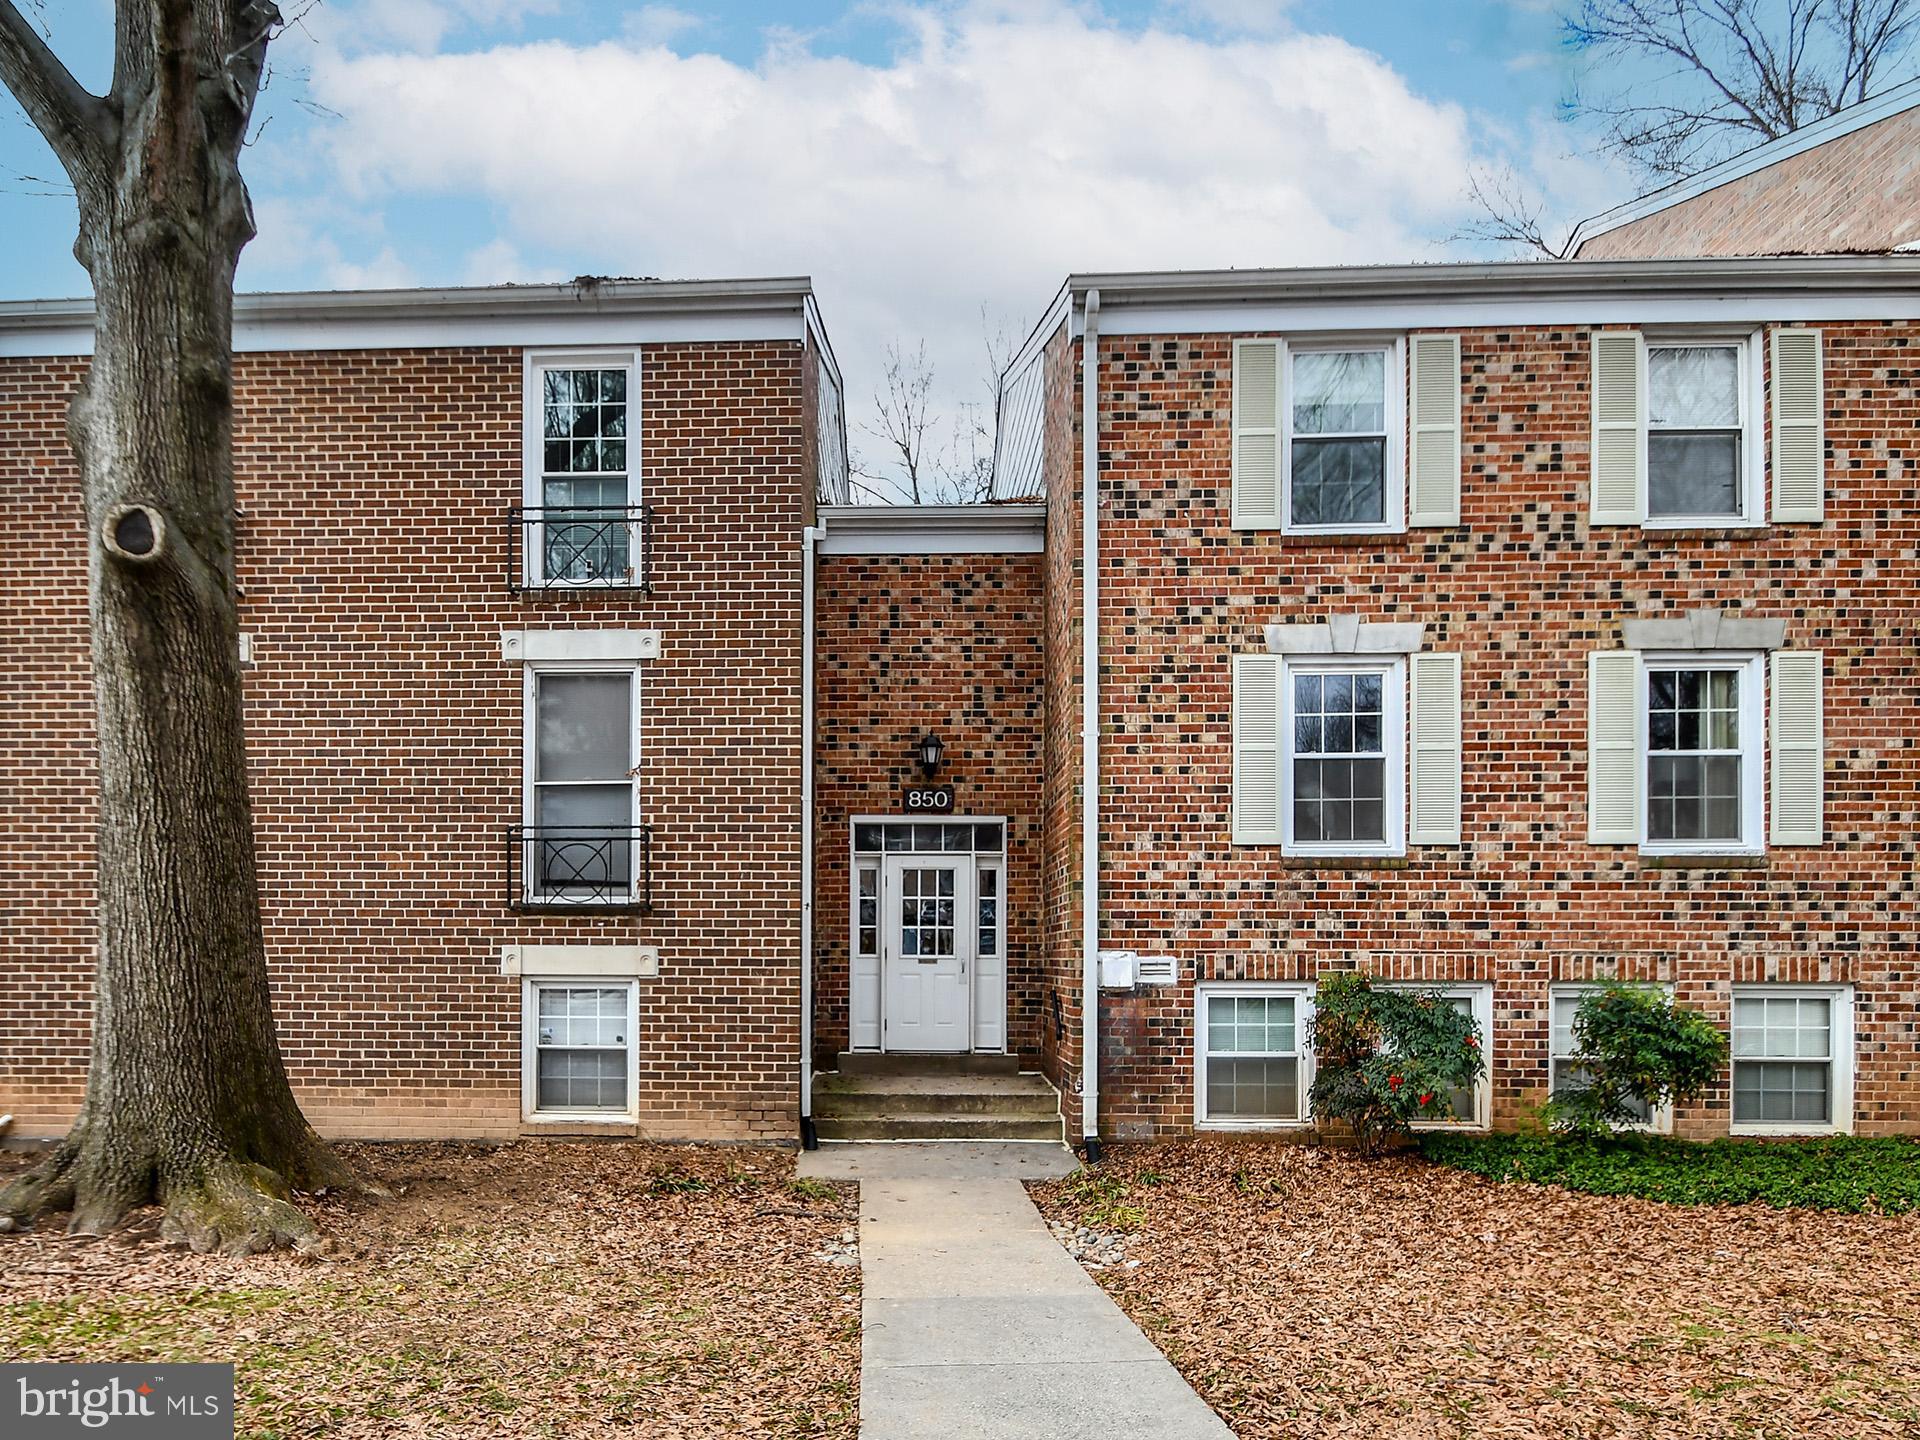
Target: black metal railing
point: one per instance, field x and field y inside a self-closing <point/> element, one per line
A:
<point x="606" y="867"/>
<point x="576" y="547"/>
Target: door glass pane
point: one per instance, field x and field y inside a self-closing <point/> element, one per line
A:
<point x="927" y="915"/>
<point x="585" y="726"/>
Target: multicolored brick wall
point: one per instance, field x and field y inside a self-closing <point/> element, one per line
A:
<point x="911" y="644"/>
<point x="1859" y="191"/>
<point x="385" y="735"/>
<point x="1061" y="640"/>
<point x="1524" y="587"/>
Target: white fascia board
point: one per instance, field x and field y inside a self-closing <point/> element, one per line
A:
<point x="933" y="529"/>
<point x="517" y="315"/>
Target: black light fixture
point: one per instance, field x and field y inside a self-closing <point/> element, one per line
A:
<point x="932" y="752"/>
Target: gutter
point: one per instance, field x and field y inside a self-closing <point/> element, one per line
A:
<point x="1090" y="727"/>
<point x="809" y="541"/>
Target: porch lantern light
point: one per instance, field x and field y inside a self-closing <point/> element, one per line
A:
<point x="932" y="752"/>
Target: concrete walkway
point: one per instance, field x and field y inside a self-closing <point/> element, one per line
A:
<point x="976" y="1323"/>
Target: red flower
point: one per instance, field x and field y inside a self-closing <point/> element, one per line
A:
<point x="1426" y="1100"/>
<point x="1394" y="1081"/>
<point x="1473" y="1042"/>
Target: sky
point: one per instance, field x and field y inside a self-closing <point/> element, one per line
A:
<point x="937" y="168"/>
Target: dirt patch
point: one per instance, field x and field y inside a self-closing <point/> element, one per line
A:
<point x="1307" y="1293"/>
<point x="539" y="1289"/>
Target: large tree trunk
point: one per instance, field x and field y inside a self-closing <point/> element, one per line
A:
<point x="187" y="1099"/>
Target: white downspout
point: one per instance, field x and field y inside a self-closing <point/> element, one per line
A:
<point x="809" y="541"/>
<point x="1090" y="727"/>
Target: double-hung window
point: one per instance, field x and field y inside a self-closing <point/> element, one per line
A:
<point x="1697" y="446"/>
<point x="580" y="793"/>
<point x="1344" y="775"/>
<point x="1565" y="1072"/>
<point x="1792" y="1059"/>
<point x="579" y="1049"/>
<point x="1702" y="717"/>
<point x="1253" y="1067"/>
<point x="580" y="482"/>
<point x="1344" y="412"/>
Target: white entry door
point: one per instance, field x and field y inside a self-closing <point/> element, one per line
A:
<point x="927" y="956"/>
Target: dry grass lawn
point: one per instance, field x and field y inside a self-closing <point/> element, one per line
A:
<point x="542" y="1289"/>
<point x="1307" y="1293"/>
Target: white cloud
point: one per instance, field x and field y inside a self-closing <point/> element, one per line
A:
<point x="652" y="25"/>
<point x="1002" y="147"/>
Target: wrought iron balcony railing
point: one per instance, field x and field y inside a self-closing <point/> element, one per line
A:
<point x="580" y="547"/>
<point x="605" y="867"/>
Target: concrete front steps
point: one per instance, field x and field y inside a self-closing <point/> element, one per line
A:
<point x="934" y="1097"/>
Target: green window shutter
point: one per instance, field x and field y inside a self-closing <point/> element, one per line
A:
<point x="1256" y="750"/>
<point x="1434" y="792"/>
<point x="1435" y="471"/>
<point x="1613" y="747"/>
<point x="1257" y="368"/>
<point x="1799" y="430"/>
<point x="1618" y="485"/>
<point x="1797" y="751"/>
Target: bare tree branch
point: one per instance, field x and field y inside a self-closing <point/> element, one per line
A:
<point x="1509" y="214"/>
<point x="74" y="121"/>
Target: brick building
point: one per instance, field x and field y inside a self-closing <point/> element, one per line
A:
<point x="1847" y="184"/>
<point x="1492" y="627"/>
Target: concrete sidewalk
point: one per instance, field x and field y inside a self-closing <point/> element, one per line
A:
<point x="977" y="1323"/>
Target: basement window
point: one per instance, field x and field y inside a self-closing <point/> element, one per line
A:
<point x="579" y="1053"/>
<point x="1252" y="1064"/>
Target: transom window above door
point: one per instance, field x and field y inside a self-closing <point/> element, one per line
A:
<point x="923" y="837"/>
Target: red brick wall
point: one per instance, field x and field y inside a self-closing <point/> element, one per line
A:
<point x="1524" y="589"/>
<point x="385" y="735"/>
<point x="908" y="644"/>
<point x="1857" y="192"/>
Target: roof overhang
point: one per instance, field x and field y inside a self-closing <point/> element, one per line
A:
<point x="580" y="312"/>
<point x="1539" y="292"/>
<point x="933" y="529"/>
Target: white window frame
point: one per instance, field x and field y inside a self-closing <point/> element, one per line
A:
<point x="1480" y="994"/>
<point x="1661" y="1121"/>
<point x="1840" y="1039"/>
<point x="535" y="365"/>
<point x="530" y="1051"/>
<point x="1393" y="478"/>
<point x="1393" y="738"/>
<point x="530" y="764"/>
<point x="1751" y="388"/>
<point x="1302" y="995"/>
<point x="1750" y="665"/>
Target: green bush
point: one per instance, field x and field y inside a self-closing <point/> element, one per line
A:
<point x="1842" y="1172"/>
<point x="1636" y="1051"/>
<point x="1386" y="1058"/>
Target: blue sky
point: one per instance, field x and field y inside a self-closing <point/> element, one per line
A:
<point x="937" y="167"/>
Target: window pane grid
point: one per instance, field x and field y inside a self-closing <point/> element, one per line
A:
<point x="1253" y="1057"/>
<point x="1694" y="759"/>
<point x="581" y="1047"/>
<point x="1783" y="1060"/>
<point x="1339" y="757"/>
<point x="1338" y="454"/>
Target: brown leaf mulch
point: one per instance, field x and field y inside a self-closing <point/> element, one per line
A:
<point x="538" y="1289"/>
<point x="1308" y="1293"/>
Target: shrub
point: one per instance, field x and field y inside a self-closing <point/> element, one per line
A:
<point x="1386" y="1058"/>
<point x="1636" y="1050"/>
<point x="1842" y="1172"/>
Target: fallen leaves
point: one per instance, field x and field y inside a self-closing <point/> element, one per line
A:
<point x="1309" y="1293"/>
<point x="539" y="1289"/>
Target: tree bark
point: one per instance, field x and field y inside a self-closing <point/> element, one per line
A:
<point x="187" y="1097"/>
